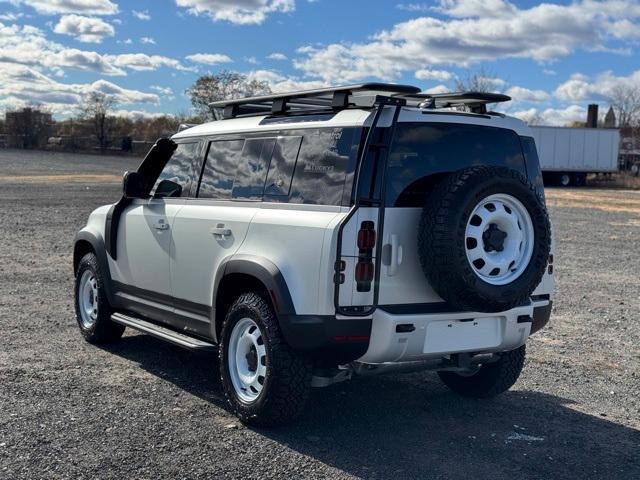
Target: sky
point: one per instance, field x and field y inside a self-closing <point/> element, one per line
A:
<point x="552" y="58"/>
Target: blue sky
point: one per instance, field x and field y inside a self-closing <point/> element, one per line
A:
<point x="553" y="58"/>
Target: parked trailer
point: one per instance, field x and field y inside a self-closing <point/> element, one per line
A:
<point x="567" y="155"/>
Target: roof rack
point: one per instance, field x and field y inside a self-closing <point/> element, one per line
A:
<point x="365" y="95"/>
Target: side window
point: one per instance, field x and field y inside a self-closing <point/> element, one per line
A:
<point x="179" y="170"/>
<point x="322" y="165"/>
<point x="252" y="168"/>
<point x="283" y="162"/>
<point x="220" y="169"/>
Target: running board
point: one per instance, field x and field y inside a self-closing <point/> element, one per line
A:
<point x="163" y="333"/>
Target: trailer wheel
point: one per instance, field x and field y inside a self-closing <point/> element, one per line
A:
<point x="579" y="179"/>
<point x="564" y="179"/>
<point x="635" y="169"/>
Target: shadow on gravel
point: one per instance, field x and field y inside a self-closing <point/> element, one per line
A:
<point x="410" y="426"/>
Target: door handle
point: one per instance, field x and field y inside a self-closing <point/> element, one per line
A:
<point x="161" y="225"/>
<point x="220" y="231"/>
<point x="396" y="256"/>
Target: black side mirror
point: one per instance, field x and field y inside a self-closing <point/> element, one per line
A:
<point x="133" y="185"/>
<point x="167" y="188"/>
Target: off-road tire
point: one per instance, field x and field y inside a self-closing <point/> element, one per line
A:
<point x="103" y="329"/>
<point x="441" y="239"/>
<point x="491" y="379"/>
<point x="288" y="380"/>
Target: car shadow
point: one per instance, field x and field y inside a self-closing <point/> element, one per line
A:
<point x="410" y="426"/>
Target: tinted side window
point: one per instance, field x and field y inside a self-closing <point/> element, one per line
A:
<point x="533" y="162"/>
<point x="180" y="169"/>
<point x="322" y="165"/>
<point x="220" y="169"/>
<point x="420" y="150"/>
<point x="252" y="169"/>
<point x="283" y="162"/>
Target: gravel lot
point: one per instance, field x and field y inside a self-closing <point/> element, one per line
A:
<point x="144" y="409"/>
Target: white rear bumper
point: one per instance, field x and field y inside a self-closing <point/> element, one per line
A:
<point x="434" y="335"/>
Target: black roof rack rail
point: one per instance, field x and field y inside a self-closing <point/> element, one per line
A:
<point x="365" y="95"/>
<point x="331" y="98"/>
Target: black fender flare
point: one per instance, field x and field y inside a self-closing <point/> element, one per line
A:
<point x="266" y="272"/>
<point x="98" y="246"/>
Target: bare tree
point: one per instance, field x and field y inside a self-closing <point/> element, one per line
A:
<point x="480" y="81"/>
<point x="625" y="100"/>
<point x="96" y="109"/>
<point x="221" y="86"/>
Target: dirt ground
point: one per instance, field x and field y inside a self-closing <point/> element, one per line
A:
<point x="145" y="409"/>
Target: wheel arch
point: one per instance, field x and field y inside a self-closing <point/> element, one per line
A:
<point x="87" y="242"/>
<point x="242" y="273"/>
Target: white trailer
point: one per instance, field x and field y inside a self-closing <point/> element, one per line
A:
<point x="567" y="155"/>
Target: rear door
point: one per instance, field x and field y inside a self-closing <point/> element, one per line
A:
<point x="421" y="154"/>
<point x="213" y="225"/>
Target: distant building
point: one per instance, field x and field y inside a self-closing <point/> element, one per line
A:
<point x="610" y="119"/>
<point x="27" y="128"/>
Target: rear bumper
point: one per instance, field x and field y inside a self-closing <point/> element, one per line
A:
<point x="405" y="337"/>
<point x="333" y="340"/>
<point x="410" y="337"/>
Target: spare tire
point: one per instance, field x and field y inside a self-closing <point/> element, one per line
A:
<point x="484" y="239"/>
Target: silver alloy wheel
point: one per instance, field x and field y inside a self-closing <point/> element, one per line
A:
<point x="88" y="298"/>
<point x="247" y="359"/>
<point x="499" y="239"/>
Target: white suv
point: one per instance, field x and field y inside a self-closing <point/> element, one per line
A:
<point x="315" y="235"/>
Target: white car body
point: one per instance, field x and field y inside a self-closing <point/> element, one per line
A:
<point x="175" y="241"/>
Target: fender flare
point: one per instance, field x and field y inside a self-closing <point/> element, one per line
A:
<point x="97" y="243"/>
<point x="266" y="272"/>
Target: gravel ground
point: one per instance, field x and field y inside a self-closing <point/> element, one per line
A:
<point x="145" y="409"/>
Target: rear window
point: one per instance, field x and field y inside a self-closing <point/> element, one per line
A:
<point x="421" y="150"/>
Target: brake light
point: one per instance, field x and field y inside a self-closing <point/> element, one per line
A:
<point x="365" y="268"/>
<point x="367" y="236"/>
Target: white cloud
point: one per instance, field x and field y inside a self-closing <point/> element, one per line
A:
<point x="413" y="7"/>
<point x="11" y="17"/>
<point x="277" y="56"/>
<point x="552" y="116"/>
<point x="143" y="62"/>
<point x="437" y="89"/>
<point x="521" y="94"/>
<point x="55" y="7"/>
<point x="438" y="75"/>
<point x="27" y="45"/>
<point x="141" y="15"/>
<point x="162" y="90"/>
<point x="85" y="29"/>
<point x="147" y="41"/>
<point x="600" y="87"/>
<point x="21" y="85"/>
<point x="136" y="115"/>
<point x="281" y="83"/>
<point x="208" y="58"/>
<point x="243" y="12"/>
<point x="472" y="31"/>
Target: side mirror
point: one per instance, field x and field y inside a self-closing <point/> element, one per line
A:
<point x="167" y="188"/>
<point x="133" y="185"/>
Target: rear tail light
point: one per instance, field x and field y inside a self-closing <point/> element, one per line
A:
<point x="365" y="268"/>
<point x="366" y="237"/>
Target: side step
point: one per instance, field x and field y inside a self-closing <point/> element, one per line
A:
<point x="163" y="333"/>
